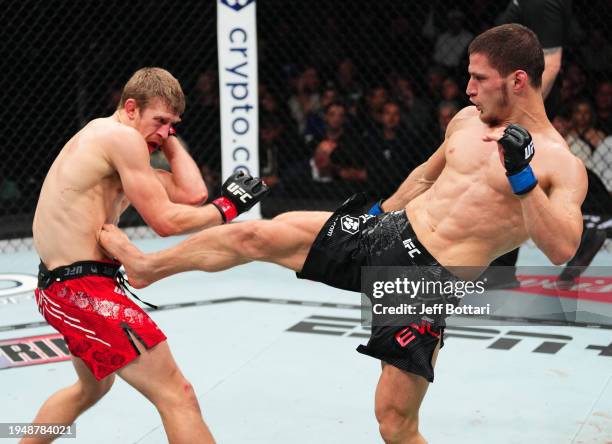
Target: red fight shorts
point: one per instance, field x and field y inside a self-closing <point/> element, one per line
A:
<point x="96" y="319"/>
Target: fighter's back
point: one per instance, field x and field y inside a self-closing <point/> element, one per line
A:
<point x="81" y="192"/>
<point x="470" y="215"/>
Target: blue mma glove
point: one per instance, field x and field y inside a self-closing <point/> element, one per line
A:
<point x="518" y="150"/>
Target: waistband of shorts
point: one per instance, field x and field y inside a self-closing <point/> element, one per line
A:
<point x="76" y="270"/>
<point x="414" y="248"/>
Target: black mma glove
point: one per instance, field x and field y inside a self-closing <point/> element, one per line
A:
<point x="518" y="150"/>
<point x="238" y="194"/>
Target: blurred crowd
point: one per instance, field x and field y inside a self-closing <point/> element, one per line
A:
<point x="342" y="120"/>
<point x="349" y="100"/>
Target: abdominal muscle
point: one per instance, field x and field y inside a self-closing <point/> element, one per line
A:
<point x="463" y="221"/>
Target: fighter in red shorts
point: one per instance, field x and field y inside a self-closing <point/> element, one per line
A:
<point x="99" y="172"/>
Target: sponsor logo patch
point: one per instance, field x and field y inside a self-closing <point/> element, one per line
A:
<point x="349" y="224"/>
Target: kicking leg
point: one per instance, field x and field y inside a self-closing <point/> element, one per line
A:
<point x="284" y="240"/>
<point x="65" y="405"/>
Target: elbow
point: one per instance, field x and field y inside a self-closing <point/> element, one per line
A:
<point x="165" y="228"/>
<point x="193" y="197"/>
<point x="563" y="254"/>
<point x="163" y="231"/>
<point x="197" y="197"/>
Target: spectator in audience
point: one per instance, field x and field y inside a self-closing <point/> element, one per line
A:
<point x="370" y="115"/>
<point x="324" y="144"/>
<point x="583" y="127"/>
<point x="338" y="153"/>
<point x="394" y="152"/>
<point x="415" y="111"/>
<point x="452" y="93"/>
<point x="566" y="95"/>
<point x="435" y="77"/>
<point x="315" y="121"/>
<point x="306" y="98"/>
<point x="349" y="88"/>
<point x="603" y="104"/>
<point x="581" y="149"/>
<point x="334" y="125"/>
<point x="323" y="168"/>
<point x="578" y="79"/>
<point x="451" y="45"/>
<point x="270" y="103"/>
<point x="273" y="146"/>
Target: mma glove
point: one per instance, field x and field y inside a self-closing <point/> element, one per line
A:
<point x="518" y="151"/>
<point x="239" y="193"/>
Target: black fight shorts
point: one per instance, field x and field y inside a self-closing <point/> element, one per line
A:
<point x="350" y="240"/>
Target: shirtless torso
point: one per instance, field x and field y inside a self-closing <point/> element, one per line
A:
<point x="81" y="192"/>
<point x="470" y="216"/>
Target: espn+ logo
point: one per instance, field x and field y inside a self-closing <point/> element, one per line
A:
<point x="237" y="190"/>
<point x="237" y="5"/>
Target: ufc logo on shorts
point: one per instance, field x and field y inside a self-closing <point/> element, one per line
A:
<point x="236" y="190"/>
<point x="409" y="245"/>
<point x="529" y="149"/>
<point x="73" y="271"/>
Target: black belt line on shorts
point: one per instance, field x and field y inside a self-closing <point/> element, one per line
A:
<point x="80" y="269"/>
<point x="407" y="234"/>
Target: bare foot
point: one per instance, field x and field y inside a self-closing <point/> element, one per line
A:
<point x="119" y="246"/>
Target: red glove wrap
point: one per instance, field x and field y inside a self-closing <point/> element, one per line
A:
<point x="226" y="208"/>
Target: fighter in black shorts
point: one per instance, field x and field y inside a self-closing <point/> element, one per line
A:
<point x="350" y="240"/>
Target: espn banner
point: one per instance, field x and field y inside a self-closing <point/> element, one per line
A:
<point x="237" y="47"/>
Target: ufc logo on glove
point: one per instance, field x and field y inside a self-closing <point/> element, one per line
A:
<point x="238" y="194"/>
<point x="236" y="190"/>
<point x="529" y="150"/>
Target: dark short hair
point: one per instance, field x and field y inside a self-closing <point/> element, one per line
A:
<point x="394" y="103"/>
<point x="511" y="47"/>
<point x="333" y="103"/>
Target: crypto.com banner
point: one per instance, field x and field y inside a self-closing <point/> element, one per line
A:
<point x="237" y="45"/>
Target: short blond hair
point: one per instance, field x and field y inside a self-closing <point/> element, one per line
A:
<point x="148" y="84"/>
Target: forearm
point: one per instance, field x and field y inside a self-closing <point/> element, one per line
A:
<point x="552" y="228"/>
<point x="552" y="65"/>
<point x="181" y="219"/>
<point x="415" y="184"/>
<point x="187" y="185"/>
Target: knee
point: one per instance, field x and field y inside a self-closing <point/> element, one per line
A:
<point x="254" y="240"/>
<point x="178" y="395"/>
<point x="88" y="395"/>
<point x="398" y="426"/>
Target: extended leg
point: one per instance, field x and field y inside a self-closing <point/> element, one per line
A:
<point x="284" y="240"/>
